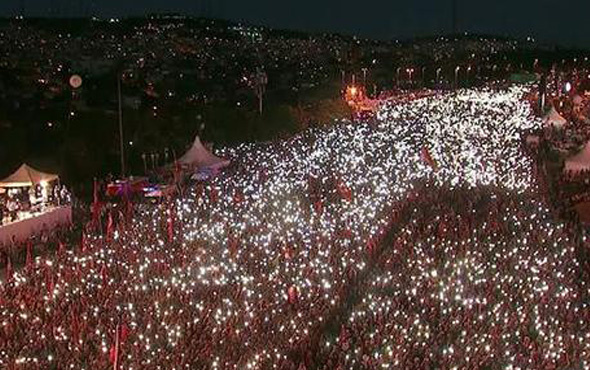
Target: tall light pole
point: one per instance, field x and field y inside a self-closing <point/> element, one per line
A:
<point x="21" y="9"/>
<point x="457" y="76"/>
<point x="364" y="76"/>
<point x="143" y="156"/>
<point x="410" y="71"/>
<point x="454" y="11"/>
<point x="121" y="144"/>
<point x="422" y="70"/>
<point x="260" y="82"/>
<point x="438" y="70"/>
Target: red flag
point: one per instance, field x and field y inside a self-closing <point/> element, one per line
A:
<point x="289" y="253"/>
<point x="343" y="336"/>
<point x="344" y="190"/>
<point x="319" y="207"/>
<point x="213" y="195"/>
<point x="75" y="327"/>
<point x="95" y="193"/>
<point x="292" y="294"/>
<point x="49" y="281"/>
<point x="233" y="245"/>
<point x="371" y="245"/>
<point x="177" y="172"/>
<point x="61" y="250"/>
<point x="104" y="275"/>
<point x="170" y="227"/>
<point x="95" y="209"/>
<point x="129" y="210"/>
<point x="426" y="157"/>
<point x="124" y="332"/>
<point x="110" y="226"/>
<point x="83" y="243"/>
<point x="238" y="196"/>
<point x="8" y="269"/>
<point x="114" y="353"/>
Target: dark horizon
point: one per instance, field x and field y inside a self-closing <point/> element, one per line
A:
<point x="377" y="19"/>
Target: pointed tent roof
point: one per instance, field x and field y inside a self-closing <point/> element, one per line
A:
<point x="26" y="176"/>
<point x="553" y="118"/>
<point x="580" y="161"/>
<point x="199" y="156"/>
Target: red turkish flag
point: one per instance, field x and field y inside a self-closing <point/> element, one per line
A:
<point x="104" y="275"/>
<point x="292" y="294"/>
<point x="124" y="332"/>
<point x="83" y="243"/>
<point x="8" y="270"/>
<point x="61" y="250"/>
<point x="427" y="157"/>
<point x="170" y="228"/>
<point x="110" y="226"/>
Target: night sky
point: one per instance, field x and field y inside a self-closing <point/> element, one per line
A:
<point x="564" y="22"/>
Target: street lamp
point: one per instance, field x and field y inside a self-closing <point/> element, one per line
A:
<point x="438" y="70"/>
<point x="143" y="156"/>
<point x="410" y="71"/>
<point x="364" y="76"/>
<point x="260" y="82"/>
<point x="121" y="145"/>
<point x="457" y="76"/>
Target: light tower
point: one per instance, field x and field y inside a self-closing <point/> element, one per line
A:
<point x="454" y="12"/>
<point x="21" y="10"/>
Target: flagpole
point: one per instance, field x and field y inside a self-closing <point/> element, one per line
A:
<point x="121" y="144"/>
<point x="116" y="362"/>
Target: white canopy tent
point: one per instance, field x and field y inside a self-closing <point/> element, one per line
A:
<point x="554" y="119"/>
<point x="198" y="156"/>
<point x="580" y="161"/>
<point x="26" y="176"/>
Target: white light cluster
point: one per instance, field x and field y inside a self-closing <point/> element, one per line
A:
<point x="264" y="254"/>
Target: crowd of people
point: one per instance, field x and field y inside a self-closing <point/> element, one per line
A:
<point x="423" y="234"/>
<point x="565" y="135"/>
<point x="478" y="279"/>
<point x="19" y="203"/>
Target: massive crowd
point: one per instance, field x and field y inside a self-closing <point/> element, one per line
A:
<point x="478" y="279"/>
<point x="423" y="234"/>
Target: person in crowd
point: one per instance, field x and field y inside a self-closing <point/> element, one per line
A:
<point x="422" y="241"/>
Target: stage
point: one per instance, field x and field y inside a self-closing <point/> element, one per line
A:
<point x="34" y="224"/>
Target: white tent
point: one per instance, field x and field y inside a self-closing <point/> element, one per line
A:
<point x="580" y="161"/>
<point x="554" y="119"/>
<point x="198" y="156"/>
<point x="26" y="176"/>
